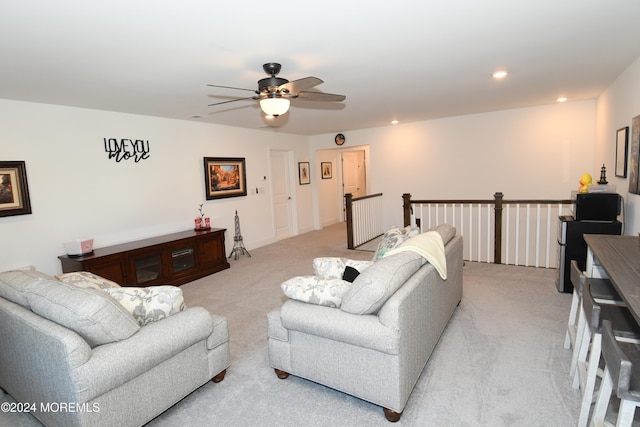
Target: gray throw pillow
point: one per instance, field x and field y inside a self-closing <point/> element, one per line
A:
<point x="92" y="314"/>
<point x="373" y="287"/>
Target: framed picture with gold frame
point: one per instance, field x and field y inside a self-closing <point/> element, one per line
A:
<point x="326" y="168"/>
<point x="14" y="191"/>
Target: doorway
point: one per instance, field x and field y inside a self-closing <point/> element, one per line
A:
<point x="281" y="199"/>
<point x="354" y="177"/>
<point x="354" y="174"/>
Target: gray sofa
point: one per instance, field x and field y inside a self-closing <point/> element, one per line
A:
<point x="76" y="357"/>
<point x="377" y="356"/>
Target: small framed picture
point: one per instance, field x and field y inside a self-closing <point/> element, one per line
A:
<point x="326" y="170"/>
<point x="225" y="177"/>
<point x="14" y="191"/>
<point x="622" y="144"/>
<point x="303" y="173"/>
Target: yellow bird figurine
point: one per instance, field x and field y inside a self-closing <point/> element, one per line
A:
<point x="585" y="182"/>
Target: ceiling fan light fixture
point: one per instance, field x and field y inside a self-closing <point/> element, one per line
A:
<point x="274" y="106"/>
<point x="500" y="74"/>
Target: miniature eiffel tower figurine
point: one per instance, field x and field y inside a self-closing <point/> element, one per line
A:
<point x="238" y="245"/>
<point x="603" y="175"/>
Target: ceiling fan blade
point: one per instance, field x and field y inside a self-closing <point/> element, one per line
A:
<point x="231" y="87"/>
<point x="321" y="96"/>
<point x="233" y="100"/>
<point x="299" y="85"/>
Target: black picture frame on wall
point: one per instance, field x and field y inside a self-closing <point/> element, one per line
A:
<point x="14" y="190"/>
<point x="225" y="177"/>
<point x="304" y="175"/>
<point x="635" y="155"/>
<point x="622" y="145"/>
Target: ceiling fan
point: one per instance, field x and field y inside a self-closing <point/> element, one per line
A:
<point x="275" y="93"/>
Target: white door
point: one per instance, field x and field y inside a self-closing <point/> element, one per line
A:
<point x="281" y="194"/>
<point x="354" y="179"/>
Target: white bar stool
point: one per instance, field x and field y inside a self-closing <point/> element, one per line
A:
<point x="589" y="349"/>
<point x="577" y="280"/>
<point x="622" y="374"/>
<point x="602" y="291"/>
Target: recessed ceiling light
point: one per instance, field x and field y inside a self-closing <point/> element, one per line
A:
<point x="500" y="74"/>
<point x="394" y="122"/>
<point x="561" y="99"/>
<point x="195" y="117"/>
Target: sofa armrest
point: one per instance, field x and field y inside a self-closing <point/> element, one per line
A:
<point x="334" y="324"/>
<point x="116" y="363"/>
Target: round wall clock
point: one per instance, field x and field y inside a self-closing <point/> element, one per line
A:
<point x="339" y="139"/>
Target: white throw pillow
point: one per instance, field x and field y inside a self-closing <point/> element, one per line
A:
<point x="149" y="304"/>
<point x="316" y="290"/>
<point x="328" y="267"/>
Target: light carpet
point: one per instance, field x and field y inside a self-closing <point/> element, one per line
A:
<point x="500" y="361"/>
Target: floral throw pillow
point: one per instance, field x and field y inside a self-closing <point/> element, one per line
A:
<point x="316" y="290"/>
<point x="149" y="304"/>
<point x="391" y="239"/>
<point x="328" y="267"/>
<point x="87" y="280"/>
<point x="410" y="231"/>
<point x="394" y="238"/>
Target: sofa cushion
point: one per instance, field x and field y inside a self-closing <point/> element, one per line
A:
<point x="85" y="279"/>
<point x="92" y="314"/>
<point x="446" y="231"/>
<point x="315" y="290"/>
<point x="14" y="283"/>
<point x="371" y="289"/>
<point x="149" y="304"/>
<point x="428" y="245"/>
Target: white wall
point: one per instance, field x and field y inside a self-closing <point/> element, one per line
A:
<point x="77" y="191"/>
<point x="615" y="109"/>
<point x="538" y="152"/>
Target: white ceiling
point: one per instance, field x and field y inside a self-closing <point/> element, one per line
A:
<point x="405" y="60"/>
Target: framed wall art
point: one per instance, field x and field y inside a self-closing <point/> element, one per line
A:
<point x="326" y="168"/>
<point x="14" y="191"/>
<point x="622" y="144"/>
<point x="225" y="177"/>
<point x="303" y="173"/>
<point x="634" y="149"/>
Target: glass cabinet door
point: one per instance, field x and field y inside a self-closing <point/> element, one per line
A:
<point x="183" y="258"/>
<point x="148" y="268"/>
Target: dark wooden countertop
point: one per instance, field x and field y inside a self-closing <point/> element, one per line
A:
<point x="620" y="258"/>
